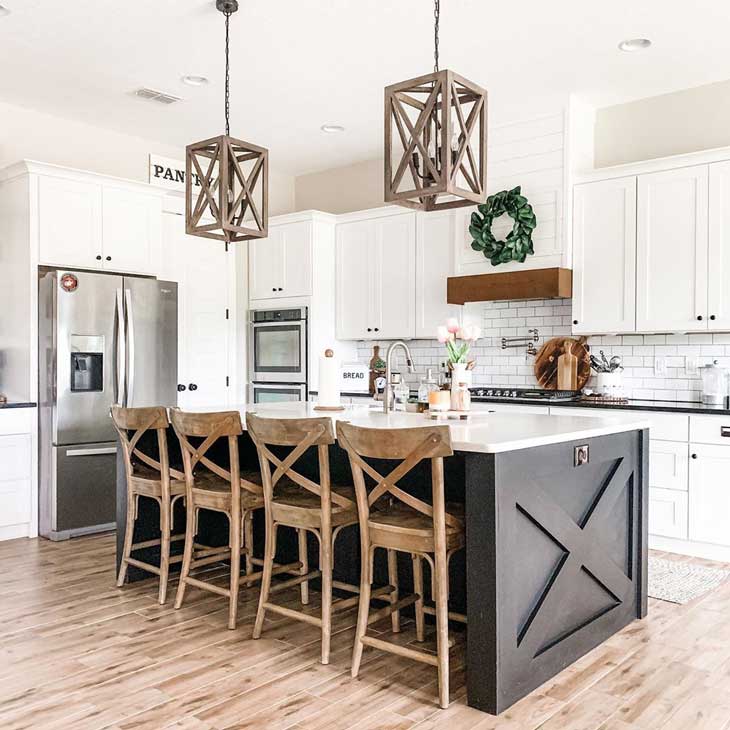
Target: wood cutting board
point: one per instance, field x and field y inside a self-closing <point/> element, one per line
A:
<point x="546" y="362"/>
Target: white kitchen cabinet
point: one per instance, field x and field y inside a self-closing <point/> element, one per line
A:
<point x="668" y="513"/>
<point x="604" y="256"/>
<point x="201" y="270"/>
<point x="281" y="264"/>
<point x="69" y="222"/>
<point x="375" y="278"/>
<point x="718" y="279"/>
<point x="131" y="230"/>
<point x="17" y="473"/>
<point x="668" y="465"/>
<point x="672" y="244"/>
<point x="434" y="264"/>
<point x="709" y="494"/>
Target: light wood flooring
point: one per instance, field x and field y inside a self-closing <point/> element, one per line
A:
<point x="76" y="653"/>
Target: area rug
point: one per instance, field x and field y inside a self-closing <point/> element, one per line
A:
<point x="670" y="580"/>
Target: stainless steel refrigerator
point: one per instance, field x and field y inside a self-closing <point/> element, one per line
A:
<point x="103" y="339"/>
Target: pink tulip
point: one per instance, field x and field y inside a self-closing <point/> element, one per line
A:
<point x="443" y="334"/>
<point x="452" y="325"/>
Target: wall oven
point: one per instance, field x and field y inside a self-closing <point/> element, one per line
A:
<point x="277" y="347"/>
<point x="277" y="393"/>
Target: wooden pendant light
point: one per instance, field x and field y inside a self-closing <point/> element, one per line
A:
<point x="232" y="203"/>
<point x="433" y="124"/>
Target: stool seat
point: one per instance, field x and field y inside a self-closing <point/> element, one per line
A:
<point x="297" y="507"/>
<point x="148" y="482"/>
<point x="209" y="488"/>
<point x="400" y="527"/>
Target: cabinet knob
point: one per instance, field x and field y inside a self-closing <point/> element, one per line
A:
<point x="280" y="289"/>
<point x="181" y="388"/>
<point x="575" y="321"/>
<point x="377" y="329"/>
<point x="713" y="317"/>
<point x="98" y="258"/>
<point x="192" y="386"/>
<point x="273" y="288"/>
<point x="699" y="317"/>
<point x="108" y="258"/>
<point x="370" y="329"/>
<point x="694" y="456"/>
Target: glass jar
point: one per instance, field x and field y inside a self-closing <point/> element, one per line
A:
<point x="460" y="397"/>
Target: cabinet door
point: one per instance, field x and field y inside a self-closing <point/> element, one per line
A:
<point x="434" y="264"/>
<point x="354" y="266"/>
<point x="15" y="479"/>
<point x="69" y="222"/>
<point x="394" y="292"/>
<point x="718" y="285"/>
<point x="671" y="267"/>
<point x="668" y="513"/>
<point x="668" y="465"/>
<point x="604" y="250"/>
<point x="132" y="230"/>
<point x="709" y="494"/>
<point x="265" y="265"/>
<point x="297" y="260"/>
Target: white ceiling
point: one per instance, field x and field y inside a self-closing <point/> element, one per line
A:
<point x="297" y="64"/>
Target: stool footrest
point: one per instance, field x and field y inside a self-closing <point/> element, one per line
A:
<point x="297" y="580"/>
<point x="453" y="616"/>
<point x="389" y="646"/>
<point x="144" y="566"/>
<point x="382" y="613"/>
<point x="156" y="542"/>
<point x="346" y="586"/>
<point x="344" y="603"/>
<point x="208" y="586"/>
<point x="291" y="613"/>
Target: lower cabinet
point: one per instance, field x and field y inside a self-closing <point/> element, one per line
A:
<point x="667" y="513"/>
<point x="668" y="471"/>
<point x="709" y="494"/>
<point x="17" y="467"/>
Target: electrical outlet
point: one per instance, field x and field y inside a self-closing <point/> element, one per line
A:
<point x="660" y="366"/>
<point x="692" y="366"/>
<point x="580" y="455"/>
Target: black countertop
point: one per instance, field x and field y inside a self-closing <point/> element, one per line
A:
<point x="633" y="405"/>
<point x="15" y="404"/>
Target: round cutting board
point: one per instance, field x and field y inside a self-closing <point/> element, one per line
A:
<point x="546" y="362"/>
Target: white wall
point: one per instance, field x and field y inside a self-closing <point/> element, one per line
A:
<point x="33" y="135"/>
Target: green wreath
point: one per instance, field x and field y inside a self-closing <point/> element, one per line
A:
<point x="518" y="243"/>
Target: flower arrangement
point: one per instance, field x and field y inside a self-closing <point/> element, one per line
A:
<point x="448" y="334"/>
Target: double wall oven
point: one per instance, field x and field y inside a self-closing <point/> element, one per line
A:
<point x="277" y="353"/>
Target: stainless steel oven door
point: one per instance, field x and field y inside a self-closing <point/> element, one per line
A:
<point x="275" y="393"/>
<point x="278" y="352"/>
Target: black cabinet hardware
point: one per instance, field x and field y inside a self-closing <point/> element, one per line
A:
<point x="180" y="388"/>
<point x="699" y="317"/>
<point x="280" y="289"/>
<point x="98" y="258"/>
<point x="370" y="329"/>
<point x="694" y="456"/>
<point x="575" y="321"/>
<point x="192" y="386"/>
<point x="713" y="317"/>
<point x="273" y="288"/>
<point x="108" y="258"/>
<point x="725" y="431"/>
<point x="377" y="329"/>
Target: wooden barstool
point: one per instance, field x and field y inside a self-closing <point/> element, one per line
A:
<point x="292" y="500"/>
<point x="214" y="488"/>
<point x="393" y="519"/>
<point x="148" y="477"/>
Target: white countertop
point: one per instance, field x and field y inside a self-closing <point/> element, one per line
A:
<point x="485" y="432"/>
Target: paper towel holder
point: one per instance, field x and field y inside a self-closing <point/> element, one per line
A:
<point x="329" y="353"/>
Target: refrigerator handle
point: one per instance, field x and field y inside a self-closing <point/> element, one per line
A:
<point x="130" y="346"/>
<point x="120" y="352"/>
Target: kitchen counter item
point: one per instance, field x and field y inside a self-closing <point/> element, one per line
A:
<point x="568" y="367"/>
<point x="714" y="384"/>
<point x="525" y="395"/>
<point x="547" y="358"/>
<point x="329" y="383"/>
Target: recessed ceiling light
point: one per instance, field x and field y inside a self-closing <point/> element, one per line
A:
<point x="634" y="44"/>
<point x="4" y="11"/>
<point x="332" y="128"/>
<point x="194" y="80"/>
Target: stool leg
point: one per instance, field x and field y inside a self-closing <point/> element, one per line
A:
<point x="235" y="540"/>
<point x="248" y="540"/>
<point x="128" y="537"/>
<point x="363" y="610"/>
<point x="418" y="588"/>
<point x="166" y="530"/>
<point x="442" y="624"/>
<point x="325" y="566"/>
<point x="304" y="560"/>
<point x="188" y="552"/>
<point x="269" y="555"/>
<point x="393" y="580"/>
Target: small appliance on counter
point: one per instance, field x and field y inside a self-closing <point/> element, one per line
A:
<point x="714" y="384"/>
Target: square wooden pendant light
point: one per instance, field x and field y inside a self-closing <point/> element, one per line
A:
<point x="435" y="142"/>
<point x="232" y="202"/>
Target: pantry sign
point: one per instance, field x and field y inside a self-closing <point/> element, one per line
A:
<point x="170" y="174"/>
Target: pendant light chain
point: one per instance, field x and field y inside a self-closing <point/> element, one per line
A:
<point x="436" y="16"/>
<point x="228" y="80"/>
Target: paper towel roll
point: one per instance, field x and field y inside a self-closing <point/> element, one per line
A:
<point x="329" y="381"/>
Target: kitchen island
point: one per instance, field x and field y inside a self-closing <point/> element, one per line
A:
<point x="556" y="535"/>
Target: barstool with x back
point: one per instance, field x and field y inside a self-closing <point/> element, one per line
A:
<point x="293" y="500"/>
<point x="209" y="486"/>
<point x="393" y="519"/>
<point x="148" y="477"/>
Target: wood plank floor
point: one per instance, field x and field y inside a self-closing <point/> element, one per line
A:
<point x="76" y="653"/>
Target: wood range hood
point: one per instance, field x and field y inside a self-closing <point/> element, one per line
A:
<point x="526" y="284"/>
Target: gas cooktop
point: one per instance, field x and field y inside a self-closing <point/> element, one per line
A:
<point x="523" y="394"/>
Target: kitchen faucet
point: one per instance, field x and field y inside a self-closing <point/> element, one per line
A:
<point x="388" y="367"/>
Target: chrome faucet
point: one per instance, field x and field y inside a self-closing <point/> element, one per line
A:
<point x="387" y="406"/>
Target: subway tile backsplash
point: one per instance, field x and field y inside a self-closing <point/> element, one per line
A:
<point x="552" y="317"/>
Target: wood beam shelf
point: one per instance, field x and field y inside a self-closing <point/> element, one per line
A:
<point x="527" y="284"/>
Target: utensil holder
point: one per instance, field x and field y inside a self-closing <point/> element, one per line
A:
<point x="610" y="384"/>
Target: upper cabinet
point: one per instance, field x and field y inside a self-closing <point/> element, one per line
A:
<point x="604" y="256"/>
<point x="93" y="222"/>
<point x="718" y="270"/>
<point x="672" y="244"/>
<point x="281" y="265"/>
<point x="375" y="277"/>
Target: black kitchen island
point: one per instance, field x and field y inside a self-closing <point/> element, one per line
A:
<point x="556" y="536"/>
